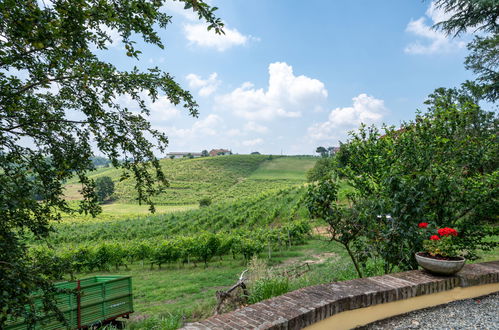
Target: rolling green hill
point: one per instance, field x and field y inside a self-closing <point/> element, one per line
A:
<point x="218" y="178"/>
<point x="256" y="210"/>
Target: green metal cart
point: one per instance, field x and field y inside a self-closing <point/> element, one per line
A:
<point x="96" y="300"/>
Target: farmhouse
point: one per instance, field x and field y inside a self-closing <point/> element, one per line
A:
<point x="183" y="154"/>
<point x="219" y="152"/>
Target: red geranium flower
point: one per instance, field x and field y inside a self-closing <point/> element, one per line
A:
<point x="434" y="238"/>
<point x="447" y="231"/>
<point x="423" y="225"/>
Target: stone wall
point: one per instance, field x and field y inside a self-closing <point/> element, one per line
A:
<point x="304" y="307"/>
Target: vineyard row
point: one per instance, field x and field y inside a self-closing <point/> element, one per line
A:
<point x="187" y="249"/>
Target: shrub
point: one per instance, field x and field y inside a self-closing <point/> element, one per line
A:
<point x="203" y="202"/>
<point x="267" y="288"/>
<point x="321" y="170"/>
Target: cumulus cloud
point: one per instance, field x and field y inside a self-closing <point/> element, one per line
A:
<point x="115" y="39"/>
<point x="431" y="41"/>
<point x="206" y="86"/>
<point x="254" y="127"/>
<point x="177" y="8"/>
<point x="252" y="143"/>
<point x="203" y="127"/>
<point x="198" y="34"/>
<point x="365" y="109"/>
<point x="287" y="96"/>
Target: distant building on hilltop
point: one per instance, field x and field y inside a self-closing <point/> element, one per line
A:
<point x="173" y="155"/>
<point x="220" y="152"/>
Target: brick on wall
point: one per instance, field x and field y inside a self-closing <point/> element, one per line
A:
<point x="309" y="305"/>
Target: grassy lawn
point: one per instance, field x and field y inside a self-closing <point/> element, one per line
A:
<point x="190" y="290"/>
<point x="119" y="211"/>
<point x="289" y="168"/>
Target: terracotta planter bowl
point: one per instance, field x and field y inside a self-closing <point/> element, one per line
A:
<point x="441" y="267"/>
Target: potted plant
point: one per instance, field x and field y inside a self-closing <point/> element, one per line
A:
<point x="440" y="255"/>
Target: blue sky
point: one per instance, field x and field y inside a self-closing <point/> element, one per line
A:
<point x="291" y="75"/>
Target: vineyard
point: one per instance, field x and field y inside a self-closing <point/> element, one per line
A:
<point x="256" y="210"/>
<point x="180" y="257"/>
<point x="193" y="249"/>
<point x="267" y="221"/>
<point x="217" y="178"/>
<point x="270" y="208"/>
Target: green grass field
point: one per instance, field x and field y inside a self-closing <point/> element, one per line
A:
<point x="285" y="168"/>
<point x="190" y="291"/>
<point x="121" y="211"/>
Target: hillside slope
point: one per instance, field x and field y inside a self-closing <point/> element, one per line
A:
<point x="218" y="178"/>
<point x="260" y="211"/>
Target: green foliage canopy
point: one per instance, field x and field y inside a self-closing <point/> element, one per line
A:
<point x="321" y="170"/>
<point x="104" y="187"/>
<point x="439" y="168"/>
<point x="477" y="16"/>
<point x="57" y="99"/>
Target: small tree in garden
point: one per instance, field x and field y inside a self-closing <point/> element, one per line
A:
<point x="345" y="223"/>
<point x="104" y="188"/>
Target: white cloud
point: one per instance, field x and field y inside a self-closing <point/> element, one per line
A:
<point x="199" y="35"/>
<point x="234" y="132"/>
<point x="431" y="41"/>
<point x="203" y="127"/>
<point x="177" y="8"/>
<point x="252" y="143"/>
<point x="436" y="14"/>
<point x="206" y="86"/>
<point x="115" y="37"/>
<point x="287" y="96"/>
<point x="162" y="110"/>
<point x="45" y="4"/>
<point x="254" y="127"/>
<point x="365" y="109"/>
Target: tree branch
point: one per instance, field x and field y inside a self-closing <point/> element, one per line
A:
<point x="34" y="84"/>
<point x="11" y="129"/>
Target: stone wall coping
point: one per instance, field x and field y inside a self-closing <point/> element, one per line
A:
<point x="306" y="306"/>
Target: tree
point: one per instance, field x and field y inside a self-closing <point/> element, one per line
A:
<point x="477" y="16"/>
<point x="322" y="151"/>
<point x="322" y="170"/>
<point x="57" y="99"/>
<point x="104" y="187"/>
<point x="100" y="161"/>
<point x="345" y="224"/>
<point x="439" y="168"/>
<point x="204" y="153"/>
<point x="255" y="153"/>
